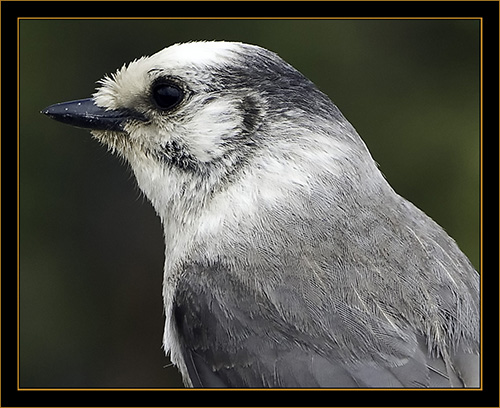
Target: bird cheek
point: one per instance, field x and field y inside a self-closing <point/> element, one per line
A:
<point x="145" y="134"/>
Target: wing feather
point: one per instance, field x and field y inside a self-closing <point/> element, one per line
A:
<point x="233" y="336"/>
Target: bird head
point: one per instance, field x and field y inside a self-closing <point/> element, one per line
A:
<point x="194" y="117"/>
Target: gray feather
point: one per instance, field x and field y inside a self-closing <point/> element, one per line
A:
<point x="289" y="259"/>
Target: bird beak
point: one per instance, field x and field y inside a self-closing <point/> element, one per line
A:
<point x="84" y="113"/>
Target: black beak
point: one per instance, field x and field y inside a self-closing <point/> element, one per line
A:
<point x="84" y="113"/>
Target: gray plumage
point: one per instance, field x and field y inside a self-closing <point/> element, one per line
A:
<point x="290" y="261"/>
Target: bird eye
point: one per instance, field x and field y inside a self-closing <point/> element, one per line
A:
<point x="167" y="96"/>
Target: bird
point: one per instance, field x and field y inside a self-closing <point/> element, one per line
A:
<point x="290" y="261"/>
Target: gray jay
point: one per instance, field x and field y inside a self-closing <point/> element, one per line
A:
<point x="289" y="259"/>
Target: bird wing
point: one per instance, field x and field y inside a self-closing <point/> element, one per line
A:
<point x="234" y="336"/>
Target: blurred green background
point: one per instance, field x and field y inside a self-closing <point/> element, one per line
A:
<point x="91" y="247"/>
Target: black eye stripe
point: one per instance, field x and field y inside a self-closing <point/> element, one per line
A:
<point x="166" y="95"/>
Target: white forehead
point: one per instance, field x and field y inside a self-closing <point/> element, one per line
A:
<point x="195" y="53"/>
<point x="121" y="88"/>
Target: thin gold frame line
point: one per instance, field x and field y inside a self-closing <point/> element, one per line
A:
<point x="252" y="18"/>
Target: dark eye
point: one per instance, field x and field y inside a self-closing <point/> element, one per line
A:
<point x="167" y="96"/>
